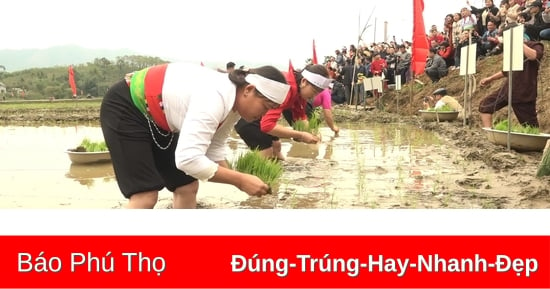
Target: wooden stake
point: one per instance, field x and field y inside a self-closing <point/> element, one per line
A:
<point x="544" y="166"/>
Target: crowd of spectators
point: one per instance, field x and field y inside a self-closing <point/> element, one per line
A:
<point x="481" y="25"/>
<point x="385" y="60"/>
<point x="484" y="26"/>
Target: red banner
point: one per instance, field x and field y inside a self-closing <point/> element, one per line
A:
<point x="72" y="83"/>
<point x="275" y="261"/>
<point x="420" y="44"/>
<point x="314" y="59"/>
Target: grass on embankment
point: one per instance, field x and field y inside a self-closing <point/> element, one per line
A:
<point x="63" y="104"/>
<point x="56" y="112"/>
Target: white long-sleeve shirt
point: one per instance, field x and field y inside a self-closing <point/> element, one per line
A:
<point x="198" y="103"/>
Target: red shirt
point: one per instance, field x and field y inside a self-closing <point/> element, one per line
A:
<point x="438" y="38"/>
<point x="377" y="66"/>
<point x="293" y="101"/>
<point x="446" y="53"/>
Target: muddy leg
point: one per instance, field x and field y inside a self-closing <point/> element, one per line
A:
<point x="277" y="151"/>
<point x="185" y="197"/>
<point x="144" y="200"/>
<point x="486" y="120"/>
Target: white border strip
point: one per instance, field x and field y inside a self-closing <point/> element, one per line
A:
<point x="274" y="222"/>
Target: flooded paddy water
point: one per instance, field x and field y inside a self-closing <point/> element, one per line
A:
<point x="391" y="165"/>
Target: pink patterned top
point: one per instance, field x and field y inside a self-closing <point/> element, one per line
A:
<point x="323" y="99"/>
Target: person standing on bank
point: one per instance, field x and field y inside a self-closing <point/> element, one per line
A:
<point x="264" y="134"/>
<point x="524" y="89"/>
<point x="166" y="126"/>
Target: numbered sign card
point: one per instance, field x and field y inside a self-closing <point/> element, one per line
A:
<point x="513" y="49"/>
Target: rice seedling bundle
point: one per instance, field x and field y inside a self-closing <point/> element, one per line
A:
<point x="527" y="129"/>
<point x="90" y="146"/>
<point x="315" y="120"/>
<point x="444" y="108"/>
<point x="312" y="125"/>
<point x="300" y="125"/>
<point x="252" y="162"/>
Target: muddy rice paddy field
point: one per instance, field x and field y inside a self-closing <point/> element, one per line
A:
<point x="380" y="160"/>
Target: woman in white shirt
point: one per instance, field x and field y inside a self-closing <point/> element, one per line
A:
<point x="166" y="127"/>
<point x="468" y="21"/>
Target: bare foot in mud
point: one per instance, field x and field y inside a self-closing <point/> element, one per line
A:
<point x="279" y="157"/>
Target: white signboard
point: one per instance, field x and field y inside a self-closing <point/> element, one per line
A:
<point x="468" y="58"/>
<point x="372" y="83"/>
<point x="513" y="49"/>
<point x="398" y="82"/>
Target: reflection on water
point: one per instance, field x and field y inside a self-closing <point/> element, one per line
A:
<point x="86" y="174"/>
<point x="365" y="163"/>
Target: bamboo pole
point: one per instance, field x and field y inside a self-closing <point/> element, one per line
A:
<point x="466" y="80"/>
<point x="358" y="41"/>
<point x="510" y="77"/>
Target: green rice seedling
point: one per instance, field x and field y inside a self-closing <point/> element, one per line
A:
<point x="252" y="162"/>
<point x="90" y="146"/>
<point x="315" y="120"/>
<point x="300" y="125"/>
<point x="501" y="125"/>
<point x="527" y="129"/>
<point x="444" y="108"/>
<point x="361" y="176"/>
<point x="312" y="125"/>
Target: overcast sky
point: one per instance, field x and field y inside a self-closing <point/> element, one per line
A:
<point x="244" y="31"/>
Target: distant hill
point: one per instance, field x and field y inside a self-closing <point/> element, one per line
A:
<point x="21" y="59"/>
<point x="14" y="60"/>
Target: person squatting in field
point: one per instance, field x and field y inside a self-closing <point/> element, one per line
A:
<point x="524" y="89"/>
<point x="264" y="134"/>
<point x="167" y="125"/>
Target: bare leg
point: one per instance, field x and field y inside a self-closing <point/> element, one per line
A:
<point x="267" y="153"/>
<point x="486" y="120"/>
<point x="277" y="150"/>
<point x="144" y="200"/>
<point x="185" y="197"/>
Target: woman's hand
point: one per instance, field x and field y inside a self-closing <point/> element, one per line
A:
<point x="253" y="185"/>
<point x="336" y="131"/>
<point x="307" y="138"/>
<point x="485" y="81"/>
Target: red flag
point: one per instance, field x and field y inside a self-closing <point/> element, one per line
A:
<point x="202" y="64"/>
<point x="420" y="42"/>
<point x="314" y="59"/>
<point x="71" y="80"/>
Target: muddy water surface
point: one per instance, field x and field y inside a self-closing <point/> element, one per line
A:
<point x="367" y="166"/>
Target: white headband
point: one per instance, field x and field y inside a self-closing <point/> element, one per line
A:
<point x="316" y="79"/>
<point x="273" y="90"/>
